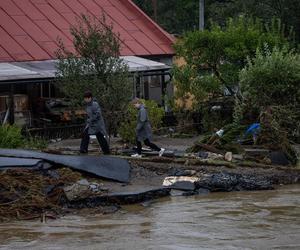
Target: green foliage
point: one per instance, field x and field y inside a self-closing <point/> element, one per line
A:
<point x="288" y="11"/>
<point x="274" y="135"/>
<point x="95" y="65"/>
<point x="272" y="78"/>
<point x="270" y="85"/>
<point x="127" y="127"/>
<point x="35" y="143"/>
<point x="288" y="118"/>
<point x="214" y="57"/>
<point x="232" y="133"/>
<point x="176" y="16"/>
<point x="180" y="16"/>
<point x="10" y="137"/>
<point x="239" y="108"/>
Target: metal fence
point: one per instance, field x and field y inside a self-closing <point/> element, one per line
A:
<point x="62" y="132"/>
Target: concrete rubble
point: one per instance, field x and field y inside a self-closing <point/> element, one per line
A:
<point x="181" y="182"/>
<point x="83" y="189"/>
<point x="228" y="156"/>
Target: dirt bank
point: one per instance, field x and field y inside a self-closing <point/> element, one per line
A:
<point x="32" y="194"/>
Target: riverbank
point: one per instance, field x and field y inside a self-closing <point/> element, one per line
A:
<point x="236" y="220"/>
<point x="49" y="194"/>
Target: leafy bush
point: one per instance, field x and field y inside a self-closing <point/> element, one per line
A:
<point x="270" y="85"/>
<point x="127" y="127"/>
<point x="214" y="57"/>
<point x="10" y="137"/>
<point x="271" y="78"/>
<point x="35" y="143"/>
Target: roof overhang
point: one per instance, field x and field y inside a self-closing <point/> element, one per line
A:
<point x="15" y="71"/>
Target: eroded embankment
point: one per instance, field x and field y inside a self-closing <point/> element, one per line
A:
<point x="29" y="194"/>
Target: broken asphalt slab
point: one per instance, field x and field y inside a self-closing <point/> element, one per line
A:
<point x="112" y="168"/>
<point x="121" y="198"/>
<point x="9" y="162"/>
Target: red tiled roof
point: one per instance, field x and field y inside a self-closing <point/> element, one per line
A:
<point x="29" y="28"/>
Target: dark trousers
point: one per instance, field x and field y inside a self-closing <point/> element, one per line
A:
<point x="86" y="140"/>
<point x="147" y="143"/>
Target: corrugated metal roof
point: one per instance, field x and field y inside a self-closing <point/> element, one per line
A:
<point x="46" y="69"/>
<point x="29" y="28"/>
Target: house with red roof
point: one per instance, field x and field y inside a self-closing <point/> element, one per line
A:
<point x="29" y="33"/>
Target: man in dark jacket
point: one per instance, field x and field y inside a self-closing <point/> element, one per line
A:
<point x="94" y="125"/>
<point x="143" y="130"/>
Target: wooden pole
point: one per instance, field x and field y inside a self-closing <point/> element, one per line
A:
<point x="11" y="104"/>
<point x="154" y="3"/>
<point x="201" y="14"/>
<point x="163" y="89"/>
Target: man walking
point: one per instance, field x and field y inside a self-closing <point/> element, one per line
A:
<point x="94" y="125"/>
<point x="143" y="130"/>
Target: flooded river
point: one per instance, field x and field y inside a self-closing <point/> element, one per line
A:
<point x="240" y="220"/>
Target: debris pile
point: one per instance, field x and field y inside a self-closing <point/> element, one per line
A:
<point x="236" y="146"/>
<point x="223" y="181"/>
<point x="29" y="194"/>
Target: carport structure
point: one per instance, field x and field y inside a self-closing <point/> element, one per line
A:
<point x="35" y="80"/>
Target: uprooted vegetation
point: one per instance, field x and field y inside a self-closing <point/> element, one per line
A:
<point x="258" y="68"/>
<point x="269" y="96"/>
<point x="28" y="194"/>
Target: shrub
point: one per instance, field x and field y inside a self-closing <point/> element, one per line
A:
<point x="270" y="85"/>
<point x="127" y="127"/>
<point x="214" y="57"/>
<point x="10" y="137"/>
<point x="272" y="78"/>
<point x="37" y="143"/>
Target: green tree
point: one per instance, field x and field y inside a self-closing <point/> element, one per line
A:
<point x="271" y="78"/>
<point x="288" y="11"/>
<point x="95" y="65"/>
<point x="180" y="16"/>
<point x="270" y="83"/>
<point x="214" y="57"/>
<point x="176" y="16"/>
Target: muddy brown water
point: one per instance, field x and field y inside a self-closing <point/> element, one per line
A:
<point x="237" y="220"/>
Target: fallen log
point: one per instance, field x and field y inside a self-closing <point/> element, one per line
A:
<point x="209" y="148"/>
<point x="207" y="162"/>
